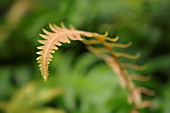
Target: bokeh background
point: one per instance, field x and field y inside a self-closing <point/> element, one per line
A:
<point x="79" y="82"/>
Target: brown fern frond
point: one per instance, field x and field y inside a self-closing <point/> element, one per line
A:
<point x="62" y="34"/>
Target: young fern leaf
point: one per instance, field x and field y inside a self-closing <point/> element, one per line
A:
<point x="61" y="35"/>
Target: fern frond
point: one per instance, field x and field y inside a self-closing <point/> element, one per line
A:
<point x="62" y="34"/>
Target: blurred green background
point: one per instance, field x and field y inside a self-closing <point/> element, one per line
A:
<point x="79" y="82"/>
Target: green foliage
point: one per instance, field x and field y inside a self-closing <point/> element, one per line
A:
<point x="88" y="90"/>
<point x="23" y="100"/>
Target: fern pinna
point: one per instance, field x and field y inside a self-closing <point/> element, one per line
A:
<point x="62" y="34"/>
